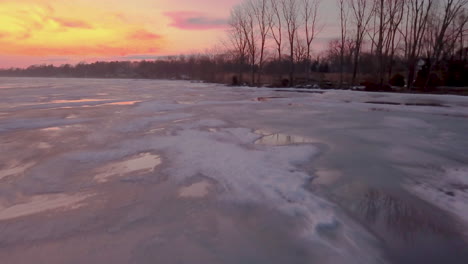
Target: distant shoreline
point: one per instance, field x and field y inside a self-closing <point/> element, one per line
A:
<point x="463" y="91"/>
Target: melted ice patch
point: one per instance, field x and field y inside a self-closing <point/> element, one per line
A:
<point x="143" y="163"/>
<point x="280" y="139"/>
<point x="196" y="190"/>
<point x="42" y="203"/>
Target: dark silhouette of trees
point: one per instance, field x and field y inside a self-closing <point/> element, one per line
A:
<point x="272" y="41"/>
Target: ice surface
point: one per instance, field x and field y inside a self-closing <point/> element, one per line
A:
<point x="229" y="174"/>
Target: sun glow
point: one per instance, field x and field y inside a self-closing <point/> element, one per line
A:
<point x="39" y="29"/>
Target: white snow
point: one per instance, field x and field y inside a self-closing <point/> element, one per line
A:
<point x="448" y="190"/>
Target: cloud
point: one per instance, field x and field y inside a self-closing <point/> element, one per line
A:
<point x="195" y="21"/>
<point x="4" y="35"/>
<point x="72" y="23"/>
<point x="41" y="30"/>
<point x="144" y="35"/>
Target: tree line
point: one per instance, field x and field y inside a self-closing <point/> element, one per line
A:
<point x="417" y="43"/>
<point x="383" y="38"/>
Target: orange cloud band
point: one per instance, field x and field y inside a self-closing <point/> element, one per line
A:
<point x="37" y="30"/>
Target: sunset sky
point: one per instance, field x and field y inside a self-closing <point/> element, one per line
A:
<point x="64" y="31"/>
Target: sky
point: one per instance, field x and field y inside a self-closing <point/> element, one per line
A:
<point x="63" y="31"/>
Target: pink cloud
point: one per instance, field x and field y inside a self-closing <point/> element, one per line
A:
<point x="195" y="21"/>
<point x="144" y="35"/>
<point x="72" y="23"/>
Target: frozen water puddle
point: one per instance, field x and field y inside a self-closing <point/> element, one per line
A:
<point x="42" y="203"/>
<point x="143" y="163"/>
<point x="196" y="190"/>
<point x="16" y="169"/>
<point x="280" y="139"/>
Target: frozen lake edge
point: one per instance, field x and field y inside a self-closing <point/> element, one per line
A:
<point x="356" y="182"/>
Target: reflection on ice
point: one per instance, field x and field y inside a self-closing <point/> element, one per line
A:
<point x="143" y="163"/>
<point x="41" y="203"/>
<point x="77" y="101"/>
<point x="181" y="120"/>
<point x="44" y="145"/>
<point x="281" y="139"/>
<point x="186" y="102"/>
<point x="156" y="130"/>
<point x="326" y="177"/>
<point x="72" y="116"/>
<point x="15" y="169"/>
<point x="59" y="128"/>
<point x="51" y="129"/>
<point x="196" y="190"/>
<point x="402" y="217"/>
<point x="121" y="103"/>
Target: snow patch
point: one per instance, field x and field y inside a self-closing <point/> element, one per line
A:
<point x="42" y="203"/>
<point x="16" y="169"/>
<point x="448" y="191"/>
<point x="196" y="190"/>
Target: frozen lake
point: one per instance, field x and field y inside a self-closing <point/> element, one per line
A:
<point x="142" y="171"/>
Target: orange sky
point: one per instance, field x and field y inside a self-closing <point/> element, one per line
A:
<point x="69" y="31"/>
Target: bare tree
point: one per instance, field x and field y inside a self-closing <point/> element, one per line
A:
<point x="362" y="12"/>
<point x="276" y="26"/>
<point x="246" y="19"/>
<point x="417" y="15"/>
<point x="261" y="12"/>
<point x="238" y="40"/>
<point x="380" y="10"/>
<point x="396" y="10"/>
<point x="344" y="13"/>
<point x="451" y="10"/>
<point x="310" y="10"/>
<point x="292" y="22"/>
